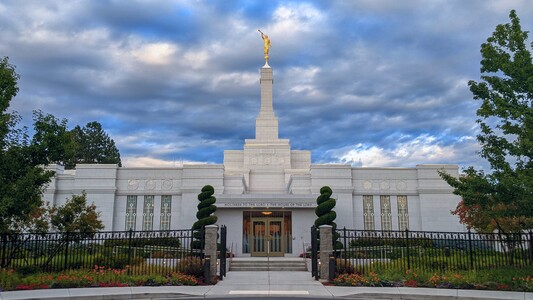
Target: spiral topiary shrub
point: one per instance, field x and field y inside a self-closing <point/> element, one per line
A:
<point x="204" y="215"/>
<point x="325" y="213"/>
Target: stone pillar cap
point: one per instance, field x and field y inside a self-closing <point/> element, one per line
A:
<point x="325" y="226"/>
<point x="211" y="226"/>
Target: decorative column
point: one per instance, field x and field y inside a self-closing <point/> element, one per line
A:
<point x="211" y="232"/>
<point x="326" y="248"/>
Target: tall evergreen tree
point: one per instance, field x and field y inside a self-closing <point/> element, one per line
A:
<point x="93" y="146"/>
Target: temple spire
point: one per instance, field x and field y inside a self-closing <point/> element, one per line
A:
<point x="266" y="124"/>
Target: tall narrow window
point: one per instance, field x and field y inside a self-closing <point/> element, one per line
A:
<point x="148" y="213"/>
<point x="386" y="214"/>
<point x="368" y="212"/>
<point x="131" y="212"/>
<point x="166" y="201"/>
<point x="403" y="213"/>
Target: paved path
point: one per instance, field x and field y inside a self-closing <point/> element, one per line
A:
<point x="269" y="284"/>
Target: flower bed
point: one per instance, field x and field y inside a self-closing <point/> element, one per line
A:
<point x="500" y="279"/>
<point x="97" y="277"/>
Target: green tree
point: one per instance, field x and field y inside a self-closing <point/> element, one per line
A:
<point x="93" y="146"/>
<point x="205" y="216"/>
<point x="505" y="195"/>
<point x="8" y="90"/>
<point x="52" y="142"/>
<point x="22" y="177"/>
<point x="75" y="216"/>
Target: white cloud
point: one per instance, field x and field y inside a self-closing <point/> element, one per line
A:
<point x="195" y="58"/>
<point x="234" y="79"/>
<point x="150" y="162"/>
<point x="155" y="53"/>
<point x="422" y="149"/>
<point x="292" y="20"/>
<point x="302" y="82"/>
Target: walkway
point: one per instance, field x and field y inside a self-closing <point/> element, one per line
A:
<point x="269" y="284"/>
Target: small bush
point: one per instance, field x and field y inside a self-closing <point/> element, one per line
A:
<point x="393" y="242"/>
<point x="141" y="242"/>
<point x="192" y="266"/>
<point x="372" y="279"/>
<point x="439" y="265"/>
<point x="117" y="261"/>
<point x="182" y="279"/>
<point x="27" y="270"/>
<point x="8" y="279"/>
<point x="344" y="267"/>
<point x="153" y="280"/>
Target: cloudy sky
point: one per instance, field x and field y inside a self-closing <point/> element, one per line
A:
<point x="366" y="82"/>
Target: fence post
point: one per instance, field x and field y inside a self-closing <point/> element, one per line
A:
<point x="332" y="266"/>
<point x="130" y="237"/>
<point x="210" y="251"/>
<point x="407" y="250"/>
<point x="531" y="248"/>
<point x="471" y="254"/>
<point x="191" y="242"/>
<point x="345" y="246"/>
<point x="4" y="246"/>
<point x="326" y="249"/>
<point x="66" y="251"/>
<point x="223" y="234"/>
<point x="207" y="270"/>
<point x="314" y="252"/>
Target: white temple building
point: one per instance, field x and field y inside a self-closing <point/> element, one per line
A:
<point x="264" y="191"/>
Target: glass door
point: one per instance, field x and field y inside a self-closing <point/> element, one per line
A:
<point x="267" y="237"/>
<point x="276" y="237"/>
<point x="258" y="237"/>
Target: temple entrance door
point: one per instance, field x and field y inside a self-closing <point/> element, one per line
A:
<point x="267" y="237"/>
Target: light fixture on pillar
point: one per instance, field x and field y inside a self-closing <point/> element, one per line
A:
<point x="266" y="213"/>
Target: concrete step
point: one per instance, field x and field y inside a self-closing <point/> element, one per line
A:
<point x="264" y="265"/>
<point x="268" y="269"/>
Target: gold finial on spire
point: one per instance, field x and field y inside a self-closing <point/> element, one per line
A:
<point x="266" y="46"/>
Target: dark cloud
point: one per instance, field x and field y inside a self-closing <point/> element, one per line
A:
<point x="384" y="82"/>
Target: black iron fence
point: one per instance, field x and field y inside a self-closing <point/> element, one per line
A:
<point x="364" y="251"/>
<point x="223" y="251"/>
<point x="314" y="252"/>
<point x="139" y="252"/>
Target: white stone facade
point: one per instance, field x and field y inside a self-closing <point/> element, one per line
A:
<point x="265" y="176"/>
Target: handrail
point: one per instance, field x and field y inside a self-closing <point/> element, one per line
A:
<point x="231" y="253"/>
<point x="268" y="255"/>
<point x="304" y="255"/>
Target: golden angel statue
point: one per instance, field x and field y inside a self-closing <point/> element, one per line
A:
<point x="267" y="45"/>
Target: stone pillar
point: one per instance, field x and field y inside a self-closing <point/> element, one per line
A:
<point x="326" y="248"/>
<point x="211" y="232"/>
